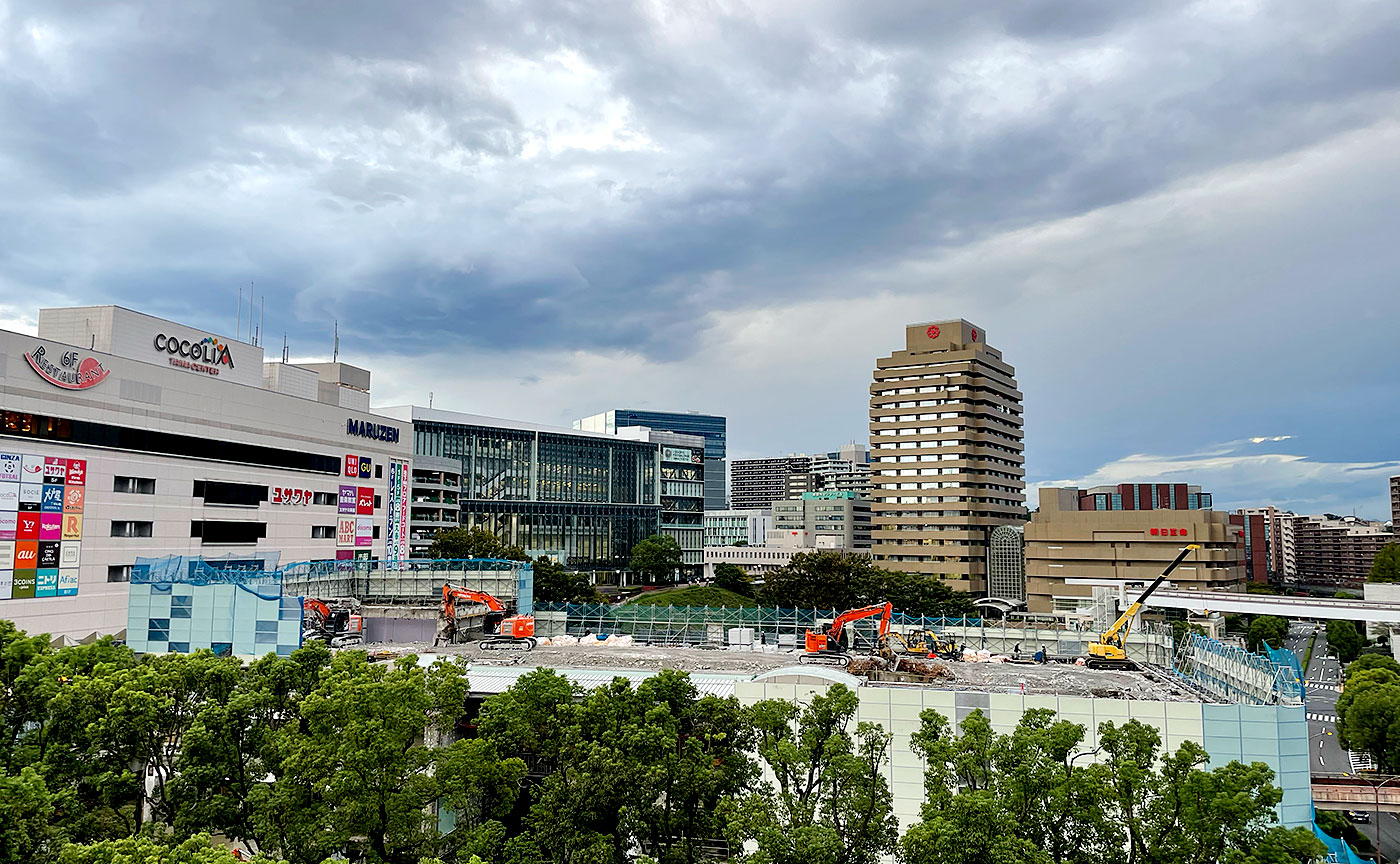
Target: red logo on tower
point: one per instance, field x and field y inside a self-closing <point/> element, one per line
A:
<point x="932" y="331"/>
<point x="974" y="334"/>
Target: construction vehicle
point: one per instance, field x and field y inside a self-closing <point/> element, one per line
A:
<point x="335" y="621"/>
<point x="919" y="643"/>
<point x="829" y="648"/>
<point x="511" y="632"/>
<point x="1109" y="650"/>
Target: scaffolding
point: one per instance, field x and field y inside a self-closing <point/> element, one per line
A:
<point x="395" y="583"/>
<point x="1236" y="675"/>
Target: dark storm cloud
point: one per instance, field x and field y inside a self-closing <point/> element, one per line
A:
<point x="369" y="151"/>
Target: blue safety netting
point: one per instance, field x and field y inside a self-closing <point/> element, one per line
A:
<point x="1286" y="658"/>
<point x="1337" y="848"/>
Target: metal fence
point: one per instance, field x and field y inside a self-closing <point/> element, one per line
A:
<point x="698" y="625"/>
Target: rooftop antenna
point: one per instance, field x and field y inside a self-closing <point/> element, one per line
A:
<point x="238" y="324"/>
<point x="284" y="346"/>
<point x="249" y="337"/>
<point x="430" y="398"/>
<point x="335" y="348"/>
<point x="262" y="311"/>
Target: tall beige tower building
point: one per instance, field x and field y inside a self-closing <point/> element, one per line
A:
<point x="945" y="452"/>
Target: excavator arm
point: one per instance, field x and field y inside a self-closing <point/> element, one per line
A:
<point x="884" y="610"/>
<point x="451" y="595"/>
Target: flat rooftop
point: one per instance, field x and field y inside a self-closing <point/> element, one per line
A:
<point x="715" y="670"/>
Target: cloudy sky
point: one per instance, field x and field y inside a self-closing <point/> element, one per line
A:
<point x="1180" y="221"/>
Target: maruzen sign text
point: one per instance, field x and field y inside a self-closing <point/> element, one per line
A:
<point x="375" y="431"/>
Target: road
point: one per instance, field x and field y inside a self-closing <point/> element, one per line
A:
<point x="1323" y="679"/>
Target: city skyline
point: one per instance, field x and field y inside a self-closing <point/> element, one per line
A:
<point x="1188" y="264"/>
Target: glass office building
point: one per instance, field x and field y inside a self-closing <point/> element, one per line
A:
<point x="707" y="426"/>
<point x="585" y="497"/>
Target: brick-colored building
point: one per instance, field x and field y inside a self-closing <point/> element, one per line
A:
<point x="946" y="453"/>
<point x="1337" y="550"/>
<point x="1065" y="540"/>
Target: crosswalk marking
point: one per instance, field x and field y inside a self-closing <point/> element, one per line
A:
<point x="1361" y="761"/>
<point x="1325" y="718"/>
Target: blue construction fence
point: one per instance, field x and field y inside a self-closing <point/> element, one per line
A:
<point x="1337" y="848"/>
<point x="1286" y="658"/>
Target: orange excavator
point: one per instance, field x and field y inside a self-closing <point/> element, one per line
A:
<point x="335" y="621"/>
<point x="511" y="632"/>
<point x="829" y="648"/>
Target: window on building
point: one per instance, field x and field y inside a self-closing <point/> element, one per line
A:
<point x="322" y="532"/>
<point x="210" y="531"/>
<point x="131" y="529"/>
<point x="235" y="494"/>
<point x="134" y="485"/>
<point x="323" y="498"/>
<point x="119" y="573"/>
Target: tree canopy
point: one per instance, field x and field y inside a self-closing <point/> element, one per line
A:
<point x="657" y="558"/>
<point x="473" y="543"/>
<point x="321" y="756"/>
<point x="1343" y="638"/>
<point x="828" y="579"/>
<point x="731" y="577"/>
<point x="1386" y="566"/>
<point x="1266" y="629"/>
<point x="555" y="583"/>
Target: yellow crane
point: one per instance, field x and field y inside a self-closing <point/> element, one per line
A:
<point x="1108" y="651"/>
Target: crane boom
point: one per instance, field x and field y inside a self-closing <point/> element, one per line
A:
<point x="1109" y="649"/>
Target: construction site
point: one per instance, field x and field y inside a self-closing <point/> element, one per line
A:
<point x="1236" y="704"/>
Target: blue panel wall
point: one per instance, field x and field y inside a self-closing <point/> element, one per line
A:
<point x="1272" y="734"/>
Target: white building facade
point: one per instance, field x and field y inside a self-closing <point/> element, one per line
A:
<point x="125" y="437"/>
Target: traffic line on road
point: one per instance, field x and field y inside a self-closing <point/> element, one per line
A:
<point x="1325" y="718"/>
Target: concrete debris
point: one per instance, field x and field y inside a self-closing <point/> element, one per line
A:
<point x="997" y="674"/>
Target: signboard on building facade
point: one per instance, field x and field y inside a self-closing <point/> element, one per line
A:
<point x="680" y="454"/>
<point x="41" y="525"/>
<point x="396" y="546"/>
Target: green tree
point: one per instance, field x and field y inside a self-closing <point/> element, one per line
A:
<point x="453" y="543"/>
<point x="829" y="802"/>
<point x="555" y="583"/>
<point x="825" y="579"/>
<point x="27" y="832"/>
<point x="360" y="763"/>
<point x="235" y="744"/>
<point x="1367" y="662"/>
<point x="657" y="558"/>
<point x="1336" y="825"/>
<point x="1019" y="797"/>
<point x="731" y="577"/>
<point x="1386" y="566"/>
<point x="198" y="849"/>
<point x="1266" y="629"/>
<point x="914" y="594"/>
<point x="1343" y="638"/>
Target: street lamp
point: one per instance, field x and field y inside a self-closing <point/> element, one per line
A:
<point x="1376" y="806"/>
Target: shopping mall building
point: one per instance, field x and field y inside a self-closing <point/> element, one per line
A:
<point x="126" y="437"/>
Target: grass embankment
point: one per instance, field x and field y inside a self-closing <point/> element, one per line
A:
<point x="1307" y="661"/>
<point x="695" y="595"/>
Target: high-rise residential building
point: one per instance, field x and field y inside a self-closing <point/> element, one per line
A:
<point x="1337" y="550"/>
<point x="754" y="484"/>
<point x="846" y="470"/>
<point x="708" y="426"/>
<point x="842" y="516"/>
<point x="1069" y="538"/>
<point x="1395" y="502"/>
<point x="737" y="527"/>
<point x="946" y="452"/>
